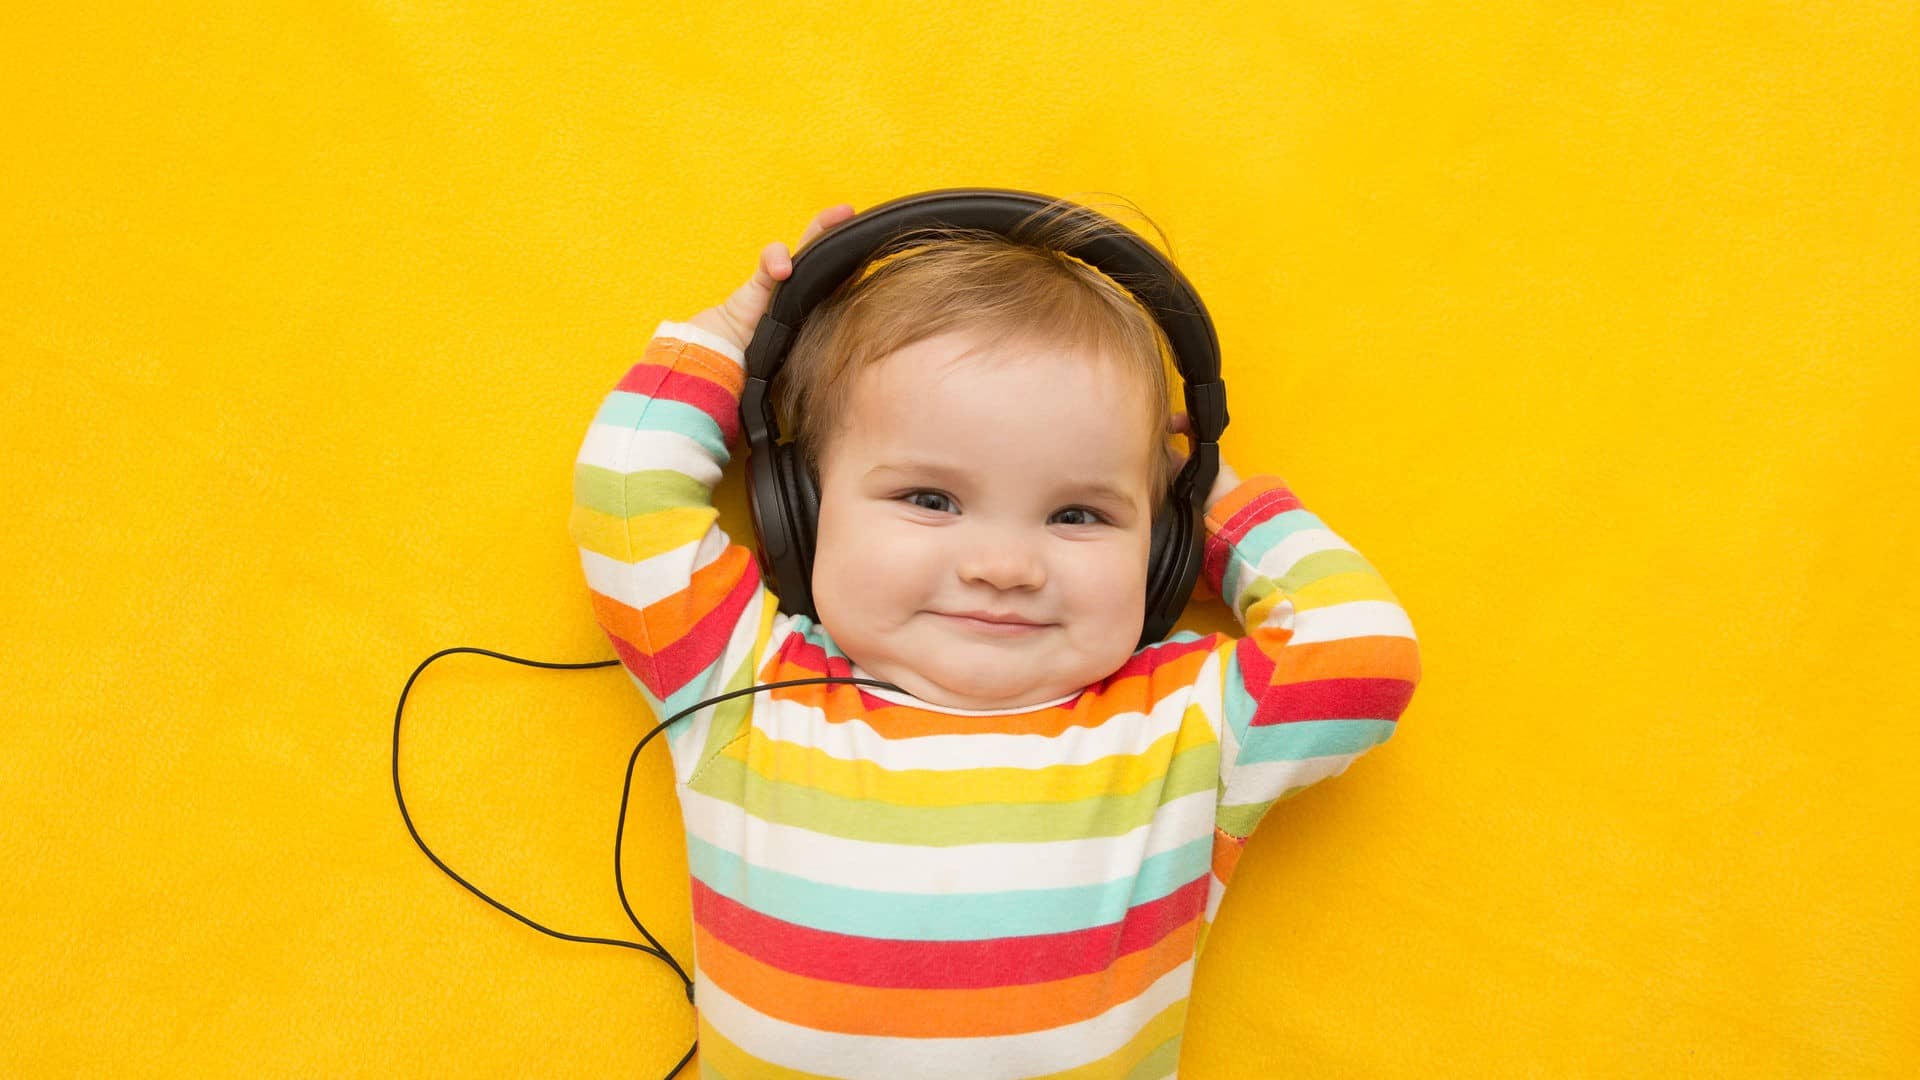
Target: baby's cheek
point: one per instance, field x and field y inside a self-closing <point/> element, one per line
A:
<point x="872" y="563"/>
<point x="1115" y="588"/>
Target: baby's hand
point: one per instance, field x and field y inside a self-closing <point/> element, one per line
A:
<point x="1223" y="482"/>
<point x="736" y="318"/>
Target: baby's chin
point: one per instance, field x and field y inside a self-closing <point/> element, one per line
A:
<point x="962" y="690"/>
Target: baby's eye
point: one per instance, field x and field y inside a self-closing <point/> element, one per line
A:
<point x="930" y="500"/>
<point x="1077" y="515"/>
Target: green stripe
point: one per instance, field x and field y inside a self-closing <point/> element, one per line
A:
<point x="1159" y="1063"/>
<point x="626" y="495"/>
<point x="1240" y="820"/>
<point x="729" y="716"/>
<point x="1309" y="569"/>
<point x="1194" y="769"/>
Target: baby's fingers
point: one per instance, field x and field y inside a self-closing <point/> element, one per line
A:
<point x="775" y="264"/>
<point x="824" y="220"/>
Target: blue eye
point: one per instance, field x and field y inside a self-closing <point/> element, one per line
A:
<point x="1078" y="515"/>
<point x="930" y="500"/>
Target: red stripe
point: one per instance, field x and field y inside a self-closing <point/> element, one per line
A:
<point x="812" y="660"/>
<point x="802" y="653"/>
<point x="641" y="665"/>
<point x="1154" y="657"/>
<point x="1219" y="546"/>
<point x="689" y="388"/>
<point x="1334" y="699"/>
<point x="701" y="645"/>
<point x="1256" y="666"/>
<point x="933" y="965"/>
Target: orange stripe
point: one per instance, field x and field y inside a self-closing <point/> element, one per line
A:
<point x="667" y="620"/>
<point x="937" y="1014"/>
<point x="1380" y="656"/>
<point x="1226" y="854"/>
<point x="1234" y="501"/>
<point x="718" y="367"/>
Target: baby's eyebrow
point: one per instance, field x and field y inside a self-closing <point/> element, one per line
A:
<point x="920" y="468"/>
<point x="1095" y="490"/>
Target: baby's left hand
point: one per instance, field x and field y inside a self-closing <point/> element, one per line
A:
<point x="1224" y="481"/>
<point x="736" y="318"/>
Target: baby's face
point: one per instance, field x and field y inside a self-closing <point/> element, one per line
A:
<point x="984" y="522"/>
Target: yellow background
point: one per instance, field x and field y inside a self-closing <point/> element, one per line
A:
<point x="1593" y="327"/>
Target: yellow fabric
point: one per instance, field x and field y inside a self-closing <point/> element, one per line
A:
<point x="1595" y="329"/>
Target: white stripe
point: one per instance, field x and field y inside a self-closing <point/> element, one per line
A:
<point x="1355" y="618"/>
<point x="1268" y="780"/>
<point x="642" y="584"/>
<point x="855" y="740"/>
<point x="892" y="1057"/>
<point x="686" y="331"/>
<point x="688" y="738"/>
<point x="970" y="868"/>
<point x="624" y="450"/>
<point x="1281" y="557"/>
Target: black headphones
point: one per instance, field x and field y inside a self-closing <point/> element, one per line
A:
<point x="784" y="501"/>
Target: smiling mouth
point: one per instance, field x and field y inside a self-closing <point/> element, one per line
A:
<point x="996" y="626"/>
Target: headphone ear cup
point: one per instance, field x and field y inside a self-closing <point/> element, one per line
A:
<point x="1162" y="553"/>
<point x="805" y="507"/>
<point x="1173" y="560"/>
<point x="775" y="499"/>
<point x="800" y="511"/>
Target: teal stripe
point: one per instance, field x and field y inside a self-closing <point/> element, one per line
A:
<point x="815" y="634"/>
<point x="729" y="717"/>
<point x="960" y="916"/>
<point x="1311" y="738"/>
<point x="1194" y="769"/>
<point x="628" y="410"/>
<point x="1236" y="703"/>
<point x="1269" y="534"/>
<point x="626" y="495"/>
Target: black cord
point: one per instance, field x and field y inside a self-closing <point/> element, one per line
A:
<point x="653" y="948"/>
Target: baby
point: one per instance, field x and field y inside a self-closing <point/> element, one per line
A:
<point x="1007" y="867"/>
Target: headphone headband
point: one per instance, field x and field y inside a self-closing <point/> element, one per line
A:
<point x="1116" y="251"/>
<point x="780" y="494"/>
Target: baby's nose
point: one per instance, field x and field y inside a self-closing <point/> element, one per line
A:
<point x="1003" y="564"/>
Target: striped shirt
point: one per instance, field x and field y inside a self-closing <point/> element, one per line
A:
<point x="883" y="887"/>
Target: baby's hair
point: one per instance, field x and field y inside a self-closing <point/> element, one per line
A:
<point x="1022" y="287"/>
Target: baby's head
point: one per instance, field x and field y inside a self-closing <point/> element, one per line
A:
<point x="986" y="421"/>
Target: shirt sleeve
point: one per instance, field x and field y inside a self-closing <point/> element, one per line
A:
<point x="1328" y="662"/>
<point x="683" y="606"/>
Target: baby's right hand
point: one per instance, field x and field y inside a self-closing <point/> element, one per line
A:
<point x="735" y="319"/>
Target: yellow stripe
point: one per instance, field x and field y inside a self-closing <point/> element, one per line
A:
<point x="1341" y="589"/>
<point x="1115" y="774"/>
<point x="642" y="536"/>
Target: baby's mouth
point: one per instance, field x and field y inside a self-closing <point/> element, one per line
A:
<point x="993" y="623"/>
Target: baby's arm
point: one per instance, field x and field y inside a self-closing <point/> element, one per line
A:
<point x="682" y="605"/>
<point x="1329" y="660"/>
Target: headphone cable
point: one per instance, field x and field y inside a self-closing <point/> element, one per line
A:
<point x="653" y="948"/>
